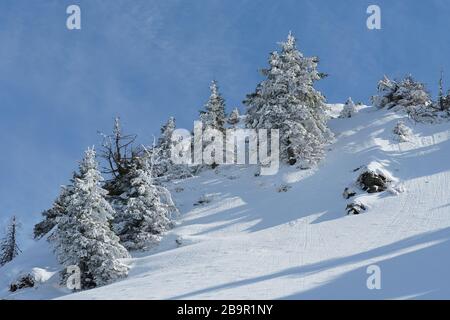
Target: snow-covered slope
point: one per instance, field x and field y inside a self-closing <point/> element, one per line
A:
<point x="288" y="236"/>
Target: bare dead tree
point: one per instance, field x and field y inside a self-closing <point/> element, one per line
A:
<point x="120" y="155"/>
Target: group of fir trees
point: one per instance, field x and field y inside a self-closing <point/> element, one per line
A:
<point x="83" y="236"/>
<point x="94" y="222"/>
<point x="412" y="96"/>
<point x="285" y="100"/>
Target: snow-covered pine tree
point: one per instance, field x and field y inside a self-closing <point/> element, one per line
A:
<point x="162" y="150"/>
<point x="233" y="118"/>
<point x="408" y="95"/>
<point x="402" y="132"/>
<point x="163" y="168"/>
<point x="213" y="118"/>
<point x="83" y="236"/>
<point x="287" y="100"/>
<point x="386" y="88"/>
<point x="8" y="246"/>
<point x="445" y="102"/>
<point x="165" y="141"/>
<point x="349" y="109"/>
<point x="52" y="215"/>
<point x="411" y="93"/>
<point x="214" y="114"/>
<point x="147" y="214"/>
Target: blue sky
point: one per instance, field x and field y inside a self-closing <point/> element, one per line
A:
<point x="145" y="60"/>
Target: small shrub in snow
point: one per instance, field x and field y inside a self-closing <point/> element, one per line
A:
<point x="402" y="132"/>
<point x="395" y="190"/>
<point x="349" y="109"/>
<point x="348" y="193"/>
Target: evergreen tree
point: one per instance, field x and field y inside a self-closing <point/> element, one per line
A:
<point x="165" y="141"/>
<point x="401" y="94"/>
<point x="52" y="215"/>
<point x="402" y="132"/>
<point x="212" y="118"/>
<point x="287" y="100"/>
<point x="8" y="246"/>
<point x="443" y="102"/>
<point x="349" y="109"/>
<point x="159" y="157"/>
<point x="83" y="236"/>
<point x="214" y="114"/>
<point x="408" y="95"/>
<point x="441" y="92"/>
<point x="147" y="215"/>
<point x="233" y="118"/>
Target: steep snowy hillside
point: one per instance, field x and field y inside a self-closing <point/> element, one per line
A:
<point x="288" y="236"/>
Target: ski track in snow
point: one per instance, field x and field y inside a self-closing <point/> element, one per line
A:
<point x="252" y="242"/>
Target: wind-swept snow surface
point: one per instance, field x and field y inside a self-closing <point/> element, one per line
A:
<point x="288" y="236"/>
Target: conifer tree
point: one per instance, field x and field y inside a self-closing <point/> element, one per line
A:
<point x="52" y="215"/>
<point x="349" y="109"/>
<point x="83" y="236"/>
<point x="214" y="114"/>
<point x="8" y="246"/>
<point x="213" y="122"/>
<point x="233" y="118"/>
<point x="159" y="156"/>
<point x="406" y="95"/>
<point x="402" y="132"/>
<point x="287" y="100"/>
<point x="146" y="216"/>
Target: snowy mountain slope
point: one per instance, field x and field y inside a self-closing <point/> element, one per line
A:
<point x="252" y="242"/>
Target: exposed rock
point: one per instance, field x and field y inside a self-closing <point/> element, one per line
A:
<point x="205" y="199"/>
<point x="355" y="208"/>
<point x="283" y="188"/>
<point x="373" y="182"/>
<point x="26" y="281"/>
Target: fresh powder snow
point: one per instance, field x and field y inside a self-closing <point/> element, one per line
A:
<point x="288" y="236"/>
